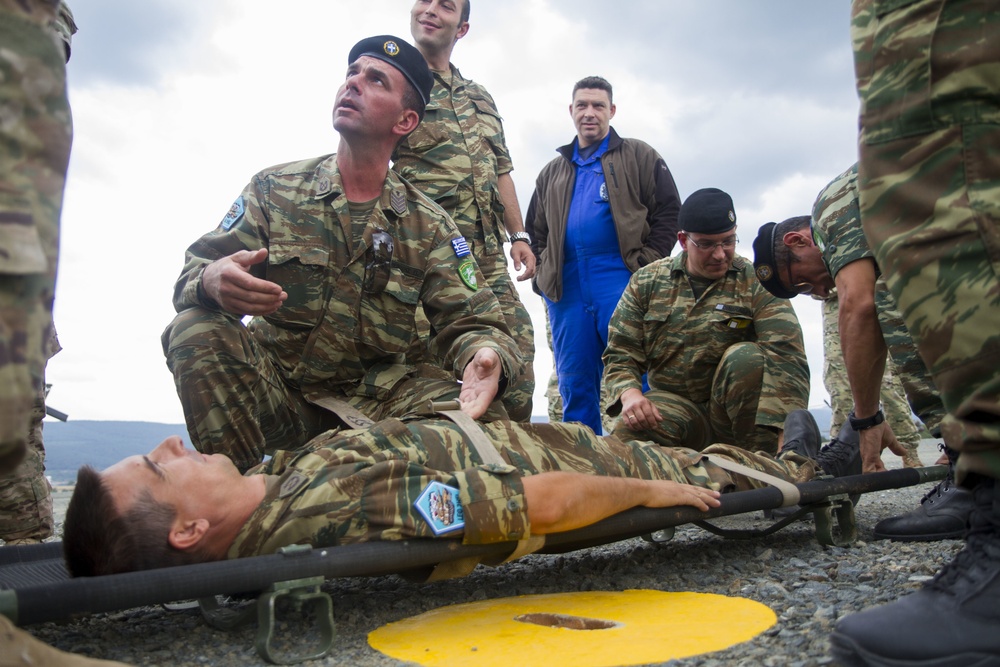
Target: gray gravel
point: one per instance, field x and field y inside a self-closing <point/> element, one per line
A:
<point x="808" y="586"/>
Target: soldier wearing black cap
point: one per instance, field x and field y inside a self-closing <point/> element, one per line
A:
<point x="330" y="256"/>
<point x="724" y="359"/>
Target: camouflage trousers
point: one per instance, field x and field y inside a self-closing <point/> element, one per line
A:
<point x="894" y="403"/>
<point x="535" y="448"/>
<point x="238" y="401"/>
<point x="729" y="417"/>
<point x="517" y="399"/>
<point x="35" y="136"/>
<point x="929" y="185"/>
<point x="25" y="494"/>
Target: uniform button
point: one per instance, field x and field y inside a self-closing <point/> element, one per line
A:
<point x="513" y="505"/>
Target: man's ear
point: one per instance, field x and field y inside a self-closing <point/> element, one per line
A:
<point x="187" y="534"/>
<point x="797" y="239"/>
<point x="612" y="108"/>
<point x="407" y="123"/>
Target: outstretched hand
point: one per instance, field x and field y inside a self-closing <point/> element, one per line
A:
<point x="665" y="493"/>
<point x="229" y="283"/>
<point x="480" y="382"/>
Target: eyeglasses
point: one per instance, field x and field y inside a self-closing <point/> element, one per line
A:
<point x="798" y="288"/>
<point x="709" y="246"/>
<point x="378" y="262"/>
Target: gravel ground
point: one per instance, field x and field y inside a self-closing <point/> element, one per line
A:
<point x="807" y="585"/>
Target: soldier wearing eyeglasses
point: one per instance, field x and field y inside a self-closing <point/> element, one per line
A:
<point x="724" y="359"/>
<point x="329" y="257"/>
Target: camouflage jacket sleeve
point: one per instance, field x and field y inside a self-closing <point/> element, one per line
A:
<point x="358" y="486"/>
<point x="836" y="223"/>
<point x="244" y="227"/>
<point x="464" y="313"/>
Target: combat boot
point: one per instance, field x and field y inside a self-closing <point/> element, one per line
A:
<point x="842" y="455"/>
<point x="801" y="434"/>
<point x="954" y="620"/>
<point x="943" y="513"/>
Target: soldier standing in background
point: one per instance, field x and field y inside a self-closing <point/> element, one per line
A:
<point x="458" y="157"/>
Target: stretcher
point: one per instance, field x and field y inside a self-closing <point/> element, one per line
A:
<point x="35" y="586"/>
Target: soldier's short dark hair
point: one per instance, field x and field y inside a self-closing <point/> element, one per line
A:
<point x="98" y="540"/>
<point x="466" y="9"/>
<point x="595" y="82"/>
<point x="781" y="251"/>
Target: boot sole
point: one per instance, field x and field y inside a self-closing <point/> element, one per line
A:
<point x="925" y="537"/>
<point x="849" y="654"/>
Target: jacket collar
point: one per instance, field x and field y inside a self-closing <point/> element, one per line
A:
<point x="614" y="142"/>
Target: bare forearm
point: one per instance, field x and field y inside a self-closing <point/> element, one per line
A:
<point x="512" y="221"/>
<point x="864" y="355"/>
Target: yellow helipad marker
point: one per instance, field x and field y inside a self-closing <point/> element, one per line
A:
<point x="597" y="629"/>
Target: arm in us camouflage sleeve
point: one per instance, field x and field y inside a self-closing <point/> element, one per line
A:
<point x="786" y="369"/>
<point x="625" y="356"/>
<point x="244" y="227"/>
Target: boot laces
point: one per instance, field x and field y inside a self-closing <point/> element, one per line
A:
<point x="941" y="487"/>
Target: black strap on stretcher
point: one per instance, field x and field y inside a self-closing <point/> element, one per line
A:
<point x="35" y="588"/>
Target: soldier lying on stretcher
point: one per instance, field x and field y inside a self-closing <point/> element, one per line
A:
<point x="400" y="479"/>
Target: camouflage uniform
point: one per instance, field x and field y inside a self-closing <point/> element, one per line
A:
<point x="455" y="157"/>
<point x="35" y="137"/>
<point x="930" y="197"/>
<point x="837" y="232"/>
<point x="355" y="486"/>
<point x="726" y="367"/>
<point x="894" y="404"/>
<point x="348" y="319"/>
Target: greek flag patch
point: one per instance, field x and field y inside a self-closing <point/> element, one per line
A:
<point x="438" y="504"/>
<point x="461" y="246"/>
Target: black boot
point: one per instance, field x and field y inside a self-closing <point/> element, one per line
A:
<point x="954" y="620"/>
<point x="943" y="513"/>
<point x="801" y="434"/>
<point x="842" y="456"/>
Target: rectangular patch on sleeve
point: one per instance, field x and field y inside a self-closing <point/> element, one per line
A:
<point x="234" y="214"/>
<point x="440" y="507"/>
<point x="461" y="246"/>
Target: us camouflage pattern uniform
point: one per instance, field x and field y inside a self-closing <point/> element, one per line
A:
<point x="356" y="486"/>
<point x="727" y="367"/>
<point x="930" y="196"/>
<point x="837" y="232"/>
<point x="456" y="156"/>
<point x="346" y="324"/>
<point x="894" y="404"/>
<point x="35" y="136"/>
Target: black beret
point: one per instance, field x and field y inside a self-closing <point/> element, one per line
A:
<point x="763" y="262"/>
<point x="707" y="211"/>
<point x="401" y="55"/>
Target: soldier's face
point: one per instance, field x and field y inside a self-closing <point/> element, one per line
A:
<point x="592" y="112"/>
<point x="806" y="273"/>
<point x="173" y="474"/>
<point x="709" y="255"/>
<point x="370" y="101"/>
<point x="437" y="24"/>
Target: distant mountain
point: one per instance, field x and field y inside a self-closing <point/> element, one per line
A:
<point x="71" y="444"/>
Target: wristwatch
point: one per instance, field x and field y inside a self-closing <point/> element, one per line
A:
<point x="520" y="236"/>
<point x="867" y="422"/>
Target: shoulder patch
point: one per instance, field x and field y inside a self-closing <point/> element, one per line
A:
<point x="467" y="272"/>
<point x="461" y="246"/>
<point x="291" y="484"/>
<point x="236" y="212"/>
<point x="439" y="505"/>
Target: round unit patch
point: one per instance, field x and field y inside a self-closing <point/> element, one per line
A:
<point x="595" y="629"/>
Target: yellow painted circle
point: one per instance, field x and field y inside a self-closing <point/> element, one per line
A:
<point x="631" y="628"/>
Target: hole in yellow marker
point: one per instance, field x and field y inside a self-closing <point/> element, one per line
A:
<point x="568" y="622"/>
<point x="628" y="628"/>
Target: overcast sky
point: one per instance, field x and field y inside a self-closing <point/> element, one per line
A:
<point x="177" y="103"/>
